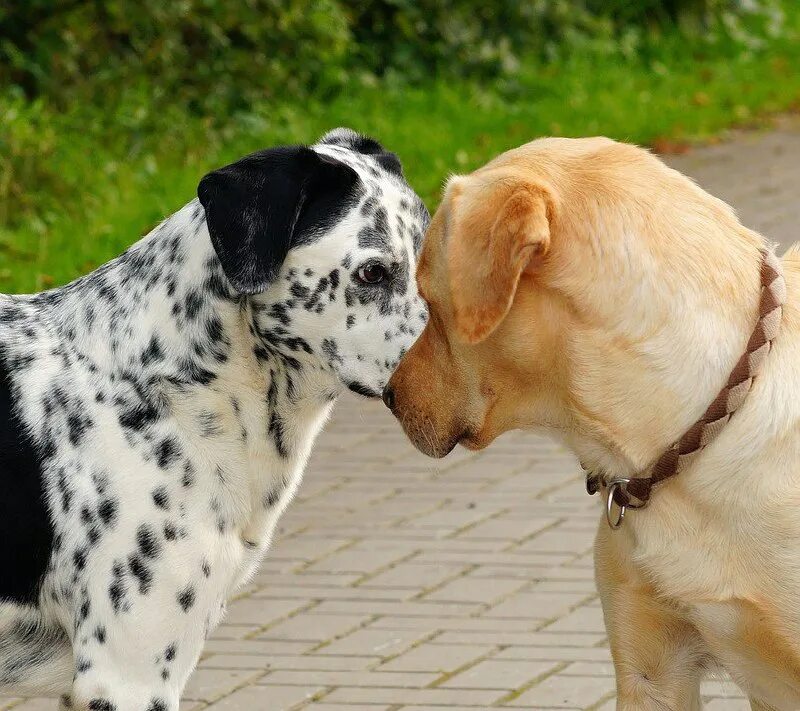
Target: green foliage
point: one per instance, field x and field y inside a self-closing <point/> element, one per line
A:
<point x="212" y="55"/>
<point x="110" y="110"/>
<point x="197" y="53"/>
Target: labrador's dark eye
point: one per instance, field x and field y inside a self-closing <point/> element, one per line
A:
<point x="372" y="273"/>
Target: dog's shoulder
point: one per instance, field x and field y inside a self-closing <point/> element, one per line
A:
<point x="25" y="528"/>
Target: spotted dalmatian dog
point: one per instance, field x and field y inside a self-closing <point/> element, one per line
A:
<point x="157" y="414"/>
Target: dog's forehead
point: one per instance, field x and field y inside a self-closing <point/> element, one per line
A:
<point x="388" y="207"/>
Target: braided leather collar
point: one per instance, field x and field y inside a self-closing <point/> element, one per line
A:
<point x="635" y="492"/>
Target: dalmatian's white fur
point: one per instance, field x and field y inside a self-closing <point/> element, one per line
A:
<point x="159" y="412"/>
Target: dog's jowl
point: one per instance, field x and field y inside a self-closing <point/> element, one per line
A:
<point x="156" y="415"/>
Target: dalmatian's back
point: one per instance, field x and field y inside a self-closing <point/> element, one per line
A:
<point x="158" y="413"/>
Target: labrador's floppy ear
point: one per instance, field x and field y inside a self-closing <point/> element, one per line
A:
<point x="260" y="206"/>
<point x="496" y="233"/>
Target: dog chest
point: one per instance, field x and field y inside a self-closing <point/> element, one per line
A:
<point x="735" y="586"/>
<point x="756" y="642"/>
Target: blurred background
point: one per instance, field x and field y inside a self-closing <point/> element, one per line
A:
<point x="111" y="110"/>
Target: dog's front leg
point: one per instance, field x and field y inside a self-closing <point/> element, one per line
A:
<point x="140" y="628"/>
<point x="657" y="655"/>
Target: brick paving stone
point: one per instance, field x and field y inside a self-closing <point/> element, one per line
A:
<point x="309" y="662"/>
<point x="212" y="684"/>
<point x="535" y="604"/>
<point x="422" y="608"/>
<point x="416" y="576"/>
<point x="566" y="692"/>
<point x="554" y="653"/>
<point x="495" y="674"/>
<point x="477" y="590"/>
<point x="479" y="698"/>
<point x="449" y="707"/>
<point x="584" y="619"/>
<point x="315" y="627"/>
<point x="266" y="698"/>
<point x="252" y="611"/>
<point x="460" y="624"/>
<point x="726" y="705"/>
<point x="382" y="643"/>
<point x="383" y="679"/>
<point x="28" y="705"/>
<point x="395" y="578"/>
<point x="438" y="658"/>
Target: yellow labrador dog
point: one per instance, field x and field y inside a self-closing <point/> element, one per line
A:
<point x="584" y="288"/>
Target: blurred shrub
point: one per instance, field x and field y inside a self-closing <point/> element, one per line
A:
<point x="217" y="55"/>
<point x="128" y="73"/>
<point x="198" y="53"/>
<point x="419" y="36"/>
<point x="27" y="140"/>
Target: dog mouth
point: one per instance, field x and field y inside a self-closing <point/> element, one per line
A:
<point x="428" y="442"/>
<point x="470" y="441"/>
<point x="363" y="390"/>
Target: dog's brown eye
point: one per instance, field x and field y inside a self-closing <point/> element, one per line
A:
<point x="372" y="273"/>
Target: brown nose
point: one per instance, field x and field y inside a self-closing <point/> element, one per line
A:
<point x="388" y="397"/>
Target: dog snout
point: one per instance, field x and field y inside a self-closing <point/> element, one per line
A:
<point x="388" y="397"/>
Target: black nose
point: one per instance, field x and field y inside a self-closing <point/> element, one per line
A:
<point x="388" y="397"/>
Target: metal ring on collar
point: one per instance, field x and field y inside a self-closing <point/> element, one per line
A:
<point x="615" y="522"/>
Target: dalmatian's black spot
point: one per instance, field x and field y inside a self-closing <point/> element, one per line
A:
<point x="107" y="511"/>
<point x="167" y="452"/>
<point x="77" y="425"/>
<point x="101" y="705"/>
<point x="147" y="542"/>
<point x="138" y="416"/>
<point x="276" y="431"/>
<point x="84" y="611"/>
<point x="140" y="571"/>
<point x="371" y="238"/>
<point x="192" y="304"/>
<point x="300" y="291"/>
<point x="333" y="278"/>
<point x="186" y="598"/>
<point x="153" y="353"/>
<point x="331" y="350"/>
<point x="272" y="497"/>
<point x="79" y="559"/>
<point x="118" y="589"/>
<point x="161" y="497"/>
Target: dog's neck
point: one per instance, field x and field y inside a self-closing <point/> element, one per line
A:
<point x="163" y="315"/>
<point x="685" y="339"/>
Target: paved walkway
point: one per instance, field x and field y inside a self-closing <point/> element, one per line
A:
<point x="398" y="582"/>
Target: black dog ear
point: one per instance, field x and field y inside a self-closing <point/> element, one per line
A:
<point x="260" y="206"/>
<point x="347" y="138"/>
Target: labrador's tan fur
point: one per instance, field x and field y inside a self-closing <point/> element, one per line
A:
<point x="584" y="288"/>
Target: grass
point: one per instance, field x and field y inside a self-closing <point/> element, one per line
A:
<point x="124" y="180"/>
